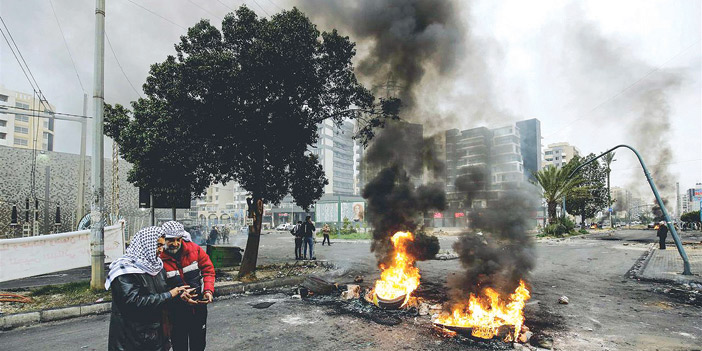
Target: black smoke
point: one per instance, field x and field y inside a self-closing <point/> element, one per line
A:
<point x="397" y="199"/>
<point x="402" y="39"/>
<point x="497" y="251"/>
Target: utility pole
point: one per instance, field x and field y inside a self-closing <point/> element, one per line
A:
<point x="97" y="222"/>
<point x="80" y="207"/>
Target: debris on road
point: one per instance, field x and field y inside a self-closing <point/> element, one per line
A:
<point x="353" y="291"/>
<point x="263" y="305"/>
<point x="447" y="255"/>
<point x="318" y="285"/>
<point x="563" y="300"/>
<point x="358" y="279"/>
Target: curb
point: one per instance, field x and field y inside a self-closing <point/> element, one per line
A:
<point x="12" y="321"/>
<point x="55" y="314"/>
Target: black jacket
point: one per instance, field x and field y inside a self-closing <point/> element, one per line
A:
<point x="138" y="302"/>
<point x="307" y="229"/>
<point x="662" y="231"/>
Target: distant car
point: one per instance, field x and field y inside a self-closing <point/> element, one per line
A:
<point x="284" y="226"/>
<point x="652" y="225"/>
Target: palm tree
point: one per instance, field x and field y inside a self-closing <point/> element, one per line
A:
<point x="556" y="183"/>
<point x="608" y="159"/>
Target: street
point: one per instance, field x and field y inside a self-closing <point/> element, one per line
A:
<point x="606" y="309"/>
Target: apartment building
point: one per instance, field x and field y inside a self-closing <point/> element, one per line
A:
<point x="24" y="130"/>
<point x="558" y="154"/>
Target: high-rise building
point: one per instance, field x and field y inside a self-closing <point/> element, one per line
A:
<point x="530" y="141"/>
<point x="558" y="154"/>
<point x="494" y="155"/>
<point x="335" y="148"/>
<point x="23" y="130"/>
<point x="694" y="198"/>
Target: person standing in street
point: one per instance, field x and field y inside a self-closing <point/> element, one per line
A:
<point x="140" y="295"/>
<point x="662" y="235"/>
<point x="297" y="233"/>
<point x="308" y="230"/>
<point x="187" y="264"/>
<point x="225" y="234"/>
<point x="213" y="236"/>
<point x="325" y="232"/>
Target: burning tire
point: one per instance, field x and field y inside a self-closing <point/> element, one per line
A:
<point x="392" y="304"/>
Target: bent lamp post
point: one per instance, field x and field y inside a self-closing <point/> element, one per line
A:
<point x="669" y="223"/>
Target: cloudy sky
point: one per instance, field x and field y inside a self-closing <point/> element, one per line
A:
<point x="596" y="73"/>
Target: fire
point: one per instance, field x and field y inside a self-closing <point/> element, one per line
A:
<point x="486" y="313"/>
<point x="402" y="277"/>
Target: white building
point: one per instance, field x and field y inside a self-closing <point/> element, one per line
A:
<point x="335" y="148"/>
<point x="558" y="154"/>
<point x="23" y="130"/>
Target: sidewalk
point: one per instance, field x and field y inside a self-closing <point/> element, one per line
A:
<point x="668" y="265"/>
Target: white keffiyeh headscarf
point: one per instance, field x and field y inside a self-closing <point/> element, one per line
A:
<point x="174" y="229"/>
<point x="141" y="256"/>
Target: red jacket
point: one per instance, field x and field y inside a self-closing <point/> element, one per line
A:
<point x="193" y="263"/>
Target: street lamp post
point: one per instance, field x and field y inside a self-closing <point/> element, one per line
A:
<point x="669" y="223"/>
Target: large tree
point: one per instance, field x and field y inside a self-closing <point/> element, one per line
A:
<point x="591" y="196"/>
<point x="248" y="100"/>
<point x="557" y="183"/>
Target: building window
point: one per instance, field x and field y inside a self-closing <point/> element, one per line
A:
<point x="20" y="118"/>
<point x="3" y="136"/>
<point x="3" y="123"/>
<point x="3" y="98"/>
<point x="21" y="142"/>
<point x="21" y="130"/>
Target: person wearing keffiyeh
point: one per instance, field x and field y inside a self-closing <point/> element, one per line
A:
<point x="139" y="295"/>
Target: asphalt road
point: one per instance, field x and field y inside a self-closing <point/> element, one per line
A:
<point x="606" y="311"/>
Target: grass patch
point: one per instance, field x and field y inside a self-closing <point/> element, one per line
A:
<point x="55" y="296"/>
<point x="351" y="236"/>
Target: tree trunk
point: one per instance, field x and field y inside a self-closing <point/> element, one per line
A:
<point x="551" y="212"/>
<point x="248" y="263"/>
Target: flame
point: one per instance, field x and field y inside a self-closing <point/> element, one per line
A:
<point x="486" y="313"/>
<point x="402" y="277"/>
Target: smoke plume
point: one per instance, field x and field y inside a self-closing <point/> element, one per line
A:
<point x="396" y="201"/>
<point x="497" y="252"/>
<point x="413" y="50"/>
<point x="641" y="101"/>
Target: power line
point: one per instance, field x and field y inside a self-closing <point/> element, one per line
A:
<point x="225" y="5"/>
<point x="120" y="65"/>
<point x="66" y="43"/>
<point x="204" y="9"/>
<point x="276" y="5"/>
<point x="621" y="92"/>
<point x="17" y="59"/>
<point x="42" y="98"/>
<point x="157" y="15"/>
<point x="262" y="9"/>
<point x="40" y="111"/>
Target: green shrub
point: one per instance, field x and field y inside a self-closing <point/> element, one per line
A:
<point x="561" y="227"/>
<point x="582" y="231"/>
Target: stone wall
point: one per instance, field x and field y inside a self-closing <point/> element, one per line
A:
<point x="16" y="185"/>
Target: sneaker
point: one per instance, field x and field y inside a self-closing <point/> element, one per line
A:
<point x="314" y="258"/>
